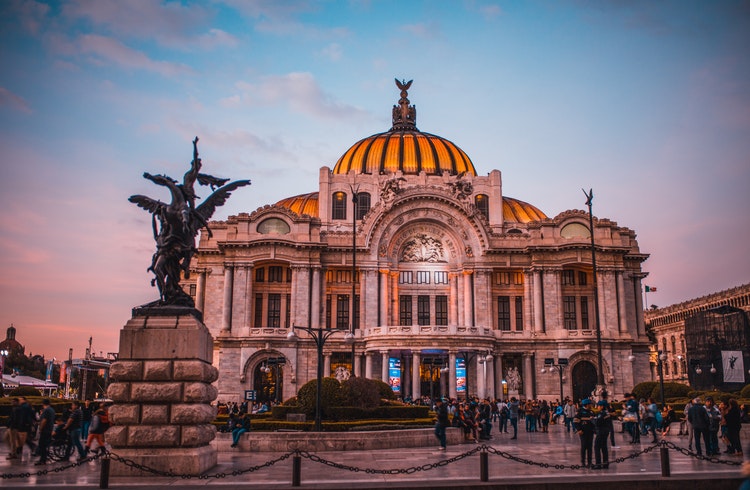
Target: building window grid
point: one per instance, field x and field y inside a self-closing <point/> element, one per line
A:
<point x="274" y="310"/>
<point x="342" y="311"/>
<point x="288" y="313"/>
<point x="584" y="313"/>
<point x="441" y="310"/>
<point x="519" y="313"/>
<point x="569" y="312"/>
<point x="423" y="277"/>
<point x="405" y="277"/>
<point x="328" y="310"/>
<point x="441" y="277"/>
<point x="423" y="310"/>
<point x="405" y="310"/>
<point x="258" y="320"/>
<point x="482" y="202"/>
<point x="338" y="205"/>
<point x="503" y="313"/>
<point x="275" y="273"/>
<point x="260" y="274"/>
<point x="362" y="205"/>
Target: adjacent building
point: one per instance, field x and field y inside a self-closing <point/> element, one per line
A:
<point x="448" y="286"/>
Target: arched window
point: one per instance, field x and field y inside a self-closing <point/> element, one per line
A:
<point x="362" y="204"/>
<point x="482" y="202"/>
<point x="664" y="345"/>
<point x="674" y="344"/>
<point x="338" y="205"/>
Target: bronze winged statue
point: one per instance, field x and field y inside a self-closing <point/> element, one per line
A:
<point x="176" y="225"/>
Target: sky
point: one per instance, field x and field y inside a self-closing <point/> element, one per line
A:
<point x="645" y="102"/>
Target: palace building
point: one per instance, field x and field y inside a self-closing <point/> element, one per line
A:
<point x="448" y="287"/>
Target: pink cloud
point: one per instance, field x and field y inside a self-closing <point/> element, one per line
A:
<point x="15" y="102"/>
<point x="108" y="49"/>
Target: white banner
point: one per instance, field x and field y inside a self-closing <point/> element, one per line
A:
<point x="734" y="368"/>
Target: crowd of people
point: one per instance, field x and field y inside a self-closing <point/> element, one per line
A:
<point x="594" y="422"/>
<point x="81" y="427"/>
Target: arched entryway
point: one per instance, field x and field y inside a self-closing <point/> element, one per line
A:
<point x="268" y="380"/>
<point x="584" y="380"/>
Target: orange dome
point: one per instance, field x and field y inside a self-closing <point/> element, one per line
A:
<point x="513" y="210"/>
<point x="404" y="148"/>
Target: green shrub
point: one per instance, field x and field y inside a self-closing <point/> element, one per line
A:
<point x="331" y="395"/>
<point x="745" y="392"/>
<point x="643" y="390"/>
<point x="671" y="390"/>
<point x="386" y="392"/>
<point x="361" y="393"/>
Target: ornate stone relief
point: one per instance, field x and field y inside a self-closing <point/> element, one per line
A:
<point x="423" y="248"/>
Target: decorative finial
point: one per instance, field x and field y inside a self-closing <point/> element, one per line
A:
<point x="404" y="115"/>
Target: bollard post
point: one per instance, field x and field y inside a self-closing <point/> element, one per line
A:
<point x="484" y="466"/>
<point x="296" y="470"/>
<point x="664" y="453"/>
<point x="104" y="475"/>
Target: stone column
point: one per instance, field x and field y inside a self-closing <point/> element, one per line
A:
<point x="249" y="302"/>
<point x="384" y="367"/>
<point x="200" y="291"/>
<point x="622" y="324"/>
<point x="499" y="376"/>
<point x="327" y="365"/>
<point x="538" y="302"/>
<point x="162" y="392"/>
<point x="528" y="376"/>
<point x="368" y="365"/>
<point x="226" y="321"/>
<point x="316" y="296"/>
<point x="415" y="381"/>
<point x="384" y="277"/>
<point x="357" y="365"/>
<point x="481" y="381"/>
<point x="453" y="300"/>
<point x="641" y="327"/>
<point x="393" y="296"/>
<point x="490" y="384"/>
<point x="452" y="388"/>
<point x="239" y="298"/>
<point x="468" y="306"/>
<point x="405" y="375"/>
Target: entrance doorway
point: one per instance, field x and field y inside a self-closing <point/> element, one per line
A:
<point x="584" y="380"/>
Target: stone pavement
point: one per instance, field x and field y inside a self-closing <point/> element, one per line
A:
<point x="512" y="464"/>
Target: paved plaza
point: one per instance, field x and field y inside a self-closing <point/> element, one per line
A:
<point x="511" y="464"/>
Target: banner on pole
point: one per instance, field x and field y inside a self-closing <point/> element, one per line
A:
<point x="734" y="367"/>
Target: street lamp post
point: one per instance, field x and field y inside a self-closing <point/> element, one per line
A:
<point x="661" y="357"/>
<point x="483" y="360"/>
<point x="600" y="374"/>
<point x="558" y="366"/>
<point x="319" y="336"/>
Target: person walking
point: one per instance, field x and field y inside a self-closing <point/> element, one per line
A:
<point x="98" y="426"/>
<point x="46" y="424"/>
<point x="569" y="413"/>
<point x="698" y="417"/>
<point x="87" y="413"/>
<point x="73" y="426"/>
<point x="714" y="421"/>
<point x="733" y="423"/>
<point x="14" y="423"/>
<point x="583" y="422"/>
<point x="441" y="423"/>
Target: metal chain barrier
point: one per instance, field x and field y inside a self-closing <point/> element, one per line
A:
<point x="393" y="471"/>
<point x="375" y="471"/>
<point x="710" y="459"/>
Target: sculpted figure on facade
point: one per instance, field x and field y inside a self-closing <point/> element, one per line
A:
<point x="391" y="188"/>
<point x="461" y="189"/>
<point x="423" y="248"/>
<point x="176" y="224"/>
<point x="513" y="377"/>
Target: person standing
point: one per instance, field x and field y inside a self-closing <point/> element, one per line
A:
<point x="73" y="426"/>
<point x="584" y="426"/>
<point x="688" y="425"/>
<point x="569" y="413"/>
<point x="441" y="423"/>
<point x="602" y="427"/>
<point x="513" y="407"/>
<point x="733" y="423"/>
<point x="714" y="421"/>
<point x="502" y="407"/>
<point x="14" y="423"/>
<point x="698" y="417"/>
<point x="46" y="424"/>
<point x="87" y="412"/>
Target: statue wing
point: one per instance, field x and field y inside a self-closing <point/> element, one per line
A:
<point x="218" y="198"/>
<point x="150" y="205"/>
<point x="205" y="179"/>
<point x="403" y="85"/>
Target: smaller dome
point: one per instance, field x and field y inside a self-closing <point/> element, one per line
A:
<point x="301" y="204"/>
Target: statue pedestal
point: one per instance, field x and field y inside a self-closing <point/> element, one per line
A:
<point x="162" y="392"/>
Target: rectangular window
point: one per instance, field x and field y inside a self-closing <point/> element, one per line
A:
<point x="503" y="313"/>
<point x="260" y="274"/>
<point x="275" y="273"/>
<point x="274" y="310"/>
<point x="441" y="277"/>
<point x="568" y="278"/>
<point x="423" y="277"/>
<point x="338" y="205"/>
<point x="258" y="321"/>
<point x="405" y="277"/>
<point x="519" y="313"/>
<point x="441" y="310"/>
<point x="502" y="278"/>
<point x="584" y="312"/>
<point x="569" y="312"/>
<point x="328" y="311"/>
<point x="193" y="290"/>
<point x="404" y="310"/>
<point x="288" y="274"/>
<point x="423" y="310"/>
<point x="342" y="311"/>
<point x="582" y="278"/>
<point x="518" y="278"/>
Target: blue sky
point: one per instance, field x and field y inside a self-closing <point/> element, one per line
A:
<point x="646" y="102"/>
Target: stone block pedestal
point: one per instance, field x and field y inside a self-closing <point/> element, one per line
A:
<point x="162" y="392"/>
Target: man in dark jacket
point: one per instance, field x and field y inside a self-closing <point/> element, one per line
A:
<point x="584" y="425"/>
<point x="698" y="418"/>
<point x="441" y="423"/>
